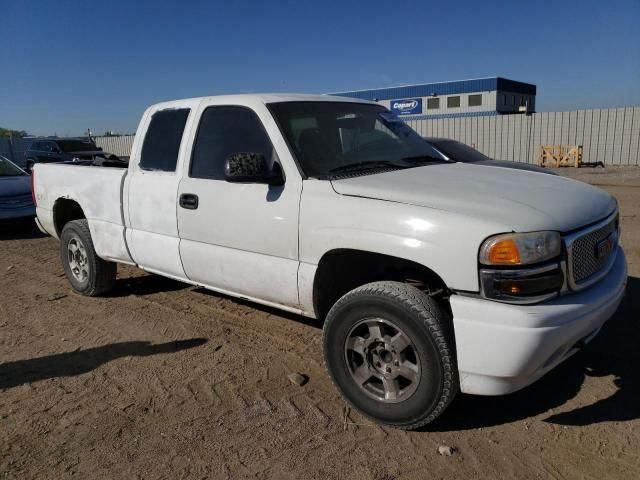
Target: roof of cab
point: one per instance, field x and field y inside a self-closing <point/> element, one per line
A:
<point x="304" y="97"/>
<point x="268" y="98"/>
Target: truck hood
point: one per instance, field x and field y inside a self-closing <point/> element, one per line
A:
<point x="520" y="200"/>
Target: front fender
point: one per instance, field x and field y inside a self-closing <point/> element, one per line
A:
<point x="445" y="242"/>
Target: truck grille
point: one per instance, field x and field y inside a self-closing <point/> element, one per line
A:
<point x="584" y="258"/>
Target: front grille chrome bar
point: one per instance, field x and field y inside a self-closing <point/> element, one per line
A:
<point x="602" y="270"/>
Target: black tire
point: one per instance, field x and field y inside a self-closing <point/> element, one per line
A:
<point x="88" y="274"/>
<point x="29" y="165"/>
<point x="402" y="308"/>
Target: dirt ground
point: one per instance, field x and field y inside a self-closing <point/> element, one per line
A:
<point x="164" y="380"/>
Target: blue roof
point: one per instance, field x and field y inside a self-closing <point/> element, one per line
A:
<point x="443" y="88"/>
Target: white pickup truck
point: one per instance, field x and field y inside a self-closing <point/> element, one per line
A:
<point x="431" y="276"/>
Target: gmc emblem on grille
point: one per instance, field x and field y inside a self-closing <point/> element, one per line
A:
<point x="605" y="247"/>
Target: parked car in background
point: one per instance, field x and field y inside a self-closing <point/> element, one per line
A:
<point x="16" y="200"/>
<point x="461" y="152"/>
<point x="59" y="150"/>
<point x="432" y="276"/>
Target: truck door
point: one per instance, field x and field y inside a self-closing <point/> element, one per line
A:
<point x="151" y="193"/>
<point x="239" y="237"/>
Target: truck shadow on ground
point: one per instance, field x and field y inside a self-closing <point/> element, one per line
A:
<point x="68" y="364"/>
<point x="614" y="353"/>
<point x="311" y="322"/>
<point x="22" y="229"/>
<point x="145" y="285"/>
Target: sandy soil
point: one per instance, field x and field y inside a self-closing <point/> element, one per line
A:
<point x="163" y="380"/>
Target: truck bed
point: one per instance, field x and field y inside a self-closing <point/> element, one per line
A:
<point x="98" y="190"/>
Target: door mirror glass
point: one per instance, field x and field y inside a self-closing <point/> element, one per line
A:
<point x="248" y="167"/>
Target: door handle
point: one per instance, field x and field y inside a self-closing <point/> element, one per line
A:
<point x="189" y="201"/>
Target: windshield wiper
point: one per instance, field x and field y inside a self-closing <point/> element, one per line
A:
<point x="424" y="159"/>
<point x="353" y="167"/>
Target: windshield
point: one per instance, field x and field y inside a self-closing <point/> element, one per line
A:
<point x="329" y="138"/>
<point x="8" y="169"/>
<point x="77" y="146"/>
<point x="458" y="151"/>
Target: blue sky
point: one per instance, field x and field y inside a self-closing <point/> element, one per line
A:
<point x="70" y="65"/>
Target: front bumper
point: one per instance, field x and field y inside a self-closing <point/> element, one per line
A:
<point x="502" y="348"/>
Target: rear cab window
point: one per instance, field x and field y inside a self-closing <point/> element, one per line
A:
<point x="77" y="146"/>
<point x="162" y="140"/>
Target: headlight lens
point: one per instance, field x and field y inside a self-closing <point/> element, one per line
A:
<point x="523" y="285"/>
<point x="520" y="248"/>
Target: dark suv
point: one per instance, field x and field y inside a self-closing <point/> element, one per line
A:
<point x="57" y="150"/>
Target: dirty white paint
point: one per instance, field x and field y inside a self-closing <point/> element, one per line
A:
<point x="264" y="243"/>
<point x="97" y="191"/>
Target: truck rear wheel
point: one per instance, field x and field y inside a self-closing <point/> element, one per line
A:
<point x="389" y="352"/>
<point x="88" y="274"/>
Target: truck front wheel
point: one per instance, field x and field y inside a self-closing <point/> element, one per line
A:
<point x="88" y="274"/>
<point x="389" y="351"/>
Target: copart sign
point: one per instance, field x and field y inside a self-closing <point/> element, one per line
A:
<point x="407" y="106"/>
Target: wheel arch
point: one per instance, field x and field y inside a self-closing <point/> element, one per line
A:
<point x="66" y="210"/>
<point x="342" y="269"/>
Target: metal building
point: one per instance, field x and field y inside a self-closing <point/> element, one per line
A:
<point x="462" y="98"/>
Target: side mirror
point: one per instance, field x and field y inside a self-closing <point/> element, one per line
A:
<point x="248" y="167"/>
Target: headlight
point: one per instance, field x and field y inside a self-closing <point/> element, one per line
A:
<point x="523" y="285"/>
<point x="520" y="248"/>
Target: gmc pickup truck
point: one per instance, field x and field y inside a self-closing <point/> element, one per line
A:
<point x="430" y="276"/>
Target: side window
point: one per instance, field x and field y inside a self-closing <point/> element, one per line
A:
<point x="223" y="131"/>
<point x="162" y="141"/>
<point x="35" y="147"/>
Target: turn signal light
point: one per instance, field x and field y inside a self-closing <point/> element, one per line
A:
<point x="504" y="252"/>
